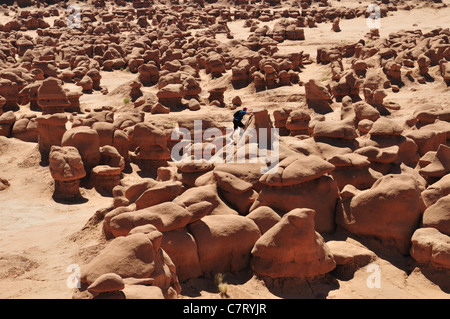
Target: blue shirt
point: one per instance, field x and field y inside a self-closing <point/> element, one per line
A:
<point x="240" y="115"/>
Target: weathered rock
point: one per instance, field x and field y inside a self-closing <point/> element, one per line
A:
<point x="165" y="217"/>
<point x="7" y="121"/>
<point x="292" y="249"/>
<point x="438" y="215"/>
<point x="318" y="97"/>
<point x="51" y="129"/>
<point x="136" y="256"/>
<point x="86" y="141"/>
<point x="66" y="168"/>
<point x="353" y="169"/>
<point x="431" y="247"/>
<point x="295" y="170"/>
<point x="439" y="165"/>
<point x="107" y="283"/>
<point x="436" y="191"/>
<point x="265" y="217"/>
<point x="52" y="98"/>
<point x="390" y="211"/>
<point x="224" y="242"/>
<point x="151" y="147"/>
<point x="349" y="257"/>
<point x="146" y="193"/>
<point x="180" y="245"/>
<point x="320" y="194"/>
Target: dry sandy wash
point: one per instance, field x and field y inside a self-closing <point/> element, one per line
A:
<point x="358" y="206"/>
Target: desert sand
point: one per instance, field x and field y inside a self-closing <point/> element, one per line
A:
<point x="40" y="237"/>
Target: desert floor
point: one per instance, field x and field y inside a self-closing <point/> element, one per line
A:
<point x="41" y="238"/>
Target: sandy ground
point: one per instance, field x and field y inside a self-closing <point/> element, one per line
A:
<point x="40" y="238"/>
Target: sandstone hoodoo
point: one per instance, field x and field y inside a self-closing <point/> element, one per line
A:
<point x="67" y="169"/>
<point x="224" y="149"/>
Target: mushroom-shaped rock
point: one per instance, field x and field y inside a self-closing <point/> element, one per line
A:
<point x="217" y="94"/>
<point x="7" y="121"/>
<point x="151" y="151"/>
<point x="134" y="257"/>
<point x="297" y="122"/>
<point x="353" y="169"/>
<point x="390" y="211"/>
<point x="292" y="249"/>
<point x="66" y="168"/>
<point x="318" y="96"/>
<point x="51" y="128"/>
<point x="9" y="90"/>
<point x="107" y="175"/>
<point x="52" y="98"/>
<point x="86" y="141"/>
<point x="320" y="194"/>
<point x="171" y="95"/>
<point x="224" y="242"/>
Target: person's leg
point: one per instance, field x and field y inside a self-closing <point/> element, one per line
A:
<point x="235" y="126"/>
<point x="241" y="129"/>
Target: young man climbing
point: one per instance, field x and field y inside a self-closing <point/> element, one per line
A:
<point x="237" y="119"/>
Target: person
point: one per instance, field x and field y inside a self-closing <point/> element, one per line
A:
<point x="237" y="119"/>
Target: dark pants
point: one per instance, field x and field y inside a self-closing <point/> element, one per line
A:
<point x="237" y="124"/>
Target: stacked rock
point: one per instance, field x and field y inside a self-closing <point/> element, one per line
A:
<point x="67" y="169"/>
<point x="151" y="151"/>
<point x="51" y="96"/>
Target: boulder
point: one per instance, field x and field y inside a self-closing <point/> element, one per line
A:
<point x="165" y="217"/>
<point x="145" y="193"/>
<point x="292" y="249"/>
<point x="349" y="257"/>
<point x="389" y="211"/>
<point x="438" y="215"/>
<point x="436" y="191"/>
<point x="7" y="121"/>
<point x="67" y="169"/>
<point x="86" y="141"/>
<point x="431" y="247"/>
<point x="181" y="247"/>
<point x="296" y="170"/>
<point x="320" y="194"/>
<point x="224" y="242"/>
<point x="207" y="193"/>
<point x="52" y="98"/>
<point x="137" y="256"/>
<point x="265" y="217"/>
<point x="51" y="129"/>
